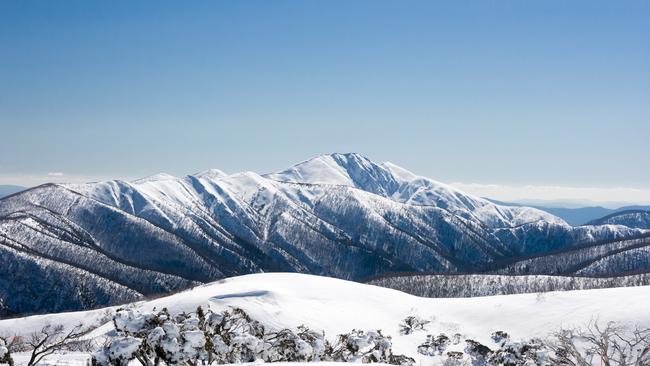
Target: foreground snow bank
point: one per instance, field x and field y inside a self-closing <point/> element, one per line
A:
<point x="282" y="300"/>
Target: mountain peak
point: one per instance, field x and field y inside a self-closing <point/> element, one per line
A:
<point x="211" y="174"/>
<point x="155" y="177"/>
<point x="348" y="169"/>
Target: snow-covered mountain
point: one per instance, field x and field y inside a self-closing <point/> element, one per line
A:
<point x="605" y="259"/>
<point x="630" y="218"/>
<point x="337" y="215"/>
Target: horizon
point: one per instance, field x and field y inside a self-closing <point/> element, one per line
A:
<point x="548" y="196"/>
<point x="501" y="99"/>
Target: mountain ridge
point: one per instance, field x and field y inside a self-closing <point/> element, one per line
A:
<point x="375" y="219"/>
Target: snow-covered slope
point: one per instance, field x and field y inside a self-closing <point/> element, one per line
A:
<point x="609" y="258"/>
<point x="400" y="185"/>
<point x="338" y="215"/>
<point x="282" y="300"/>
<point x="631" y="218"/>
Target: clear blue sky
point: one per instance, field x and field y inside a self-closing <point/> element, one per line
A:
<point x="509" y="92"/>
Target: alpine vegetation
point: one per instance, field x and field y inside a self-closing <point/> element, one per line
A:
<point x="232" y="337"/>
<point x="280" y="317"/>
<point x="471" y="285"/>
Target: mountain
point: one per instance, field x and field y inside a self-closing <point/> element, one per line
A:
<point x="338" y="215"/>
<point x="6" y="190"/>
<point x="631" y="218"/>
<point x="573" y="215"/>
<point x="604" y="259"/>
<point x="333" y="306"/>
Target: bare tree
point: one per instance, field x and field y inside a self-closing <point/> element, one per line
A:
<point x="608" y="345"/>
<point x="51" y="339"/>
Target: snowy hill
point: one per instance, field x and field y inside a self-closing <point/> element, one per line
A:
<point x="338" y="215"/>
<point x="335" y="306"/>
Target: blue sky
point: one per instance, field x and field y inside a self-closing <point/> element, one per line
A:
<point x="513" y="93"/>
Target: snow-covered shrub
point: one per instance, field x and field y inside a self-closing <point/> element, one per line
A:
<point x="478" y="352"/>
<point x="4" y="351"/>
<point x="500" y="337"/>
<point x="159" y="337"/>
<point x="455" y="358"/>
<point x="411" y="324"/>
<point x="506" y="353"/>
<point x="5" y="354"/>
<point x="520" y="353"/>
<point x="366" y="347"/>
<point x="206" y="337"/>
<point x="243" y="336"/>
<point x="120" y="351"/>
<point x="434" y="345"/>
<point x="400" y="360"/>
<point x="316" y="340"/>
<point x="304" y="345"/>
<point x="285" y="345"/>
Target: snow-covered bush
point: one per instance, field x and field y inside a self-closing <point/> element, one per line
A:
<point x="5" y="354"/>
<point x="455" y="358"/>
<point x="316" y="340"/>
<point x="287" y="346"/>
<point x="505" y="352"/>
<point x="478" y="352"/>
<point x="207" y="337"/>
<point x="434" y="345"/>
<point x="521" y="353"/>
<point x="174" y="340"/>
<point x="121" y="350"/>
<point x="500" y="337"/>
<point x="367" y="347"/>
<point x="411" y="324"/>
<point x="242" y="336"/>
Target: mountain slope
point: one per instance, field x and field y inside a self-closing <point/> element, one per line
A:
<point x="574" y="216"/>
<point x="337" y="215"/>
<point x="605" y="259"/>
<point x="639" y="219"/>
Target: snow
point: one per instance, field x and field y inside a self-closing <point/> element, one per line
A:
<point x="307" y="222"/>
<point x="58" y="359"/>
<point x="211" y="174"/>
<point x="281" y="300"/>
<point x="403" y="186"/>
<point x="319" y="170"/>
<point x="154" y="178"/>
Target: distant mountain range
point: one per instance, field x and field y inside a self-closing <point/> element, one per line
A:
<point x="6" y="190"/>
<point x="630" y="218"/>
<point x="79" y="246"/>
<point x="575" y="215"/>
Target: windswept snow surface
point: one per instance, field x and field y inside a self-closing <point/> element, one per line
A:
<point x="281" y="300"/>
